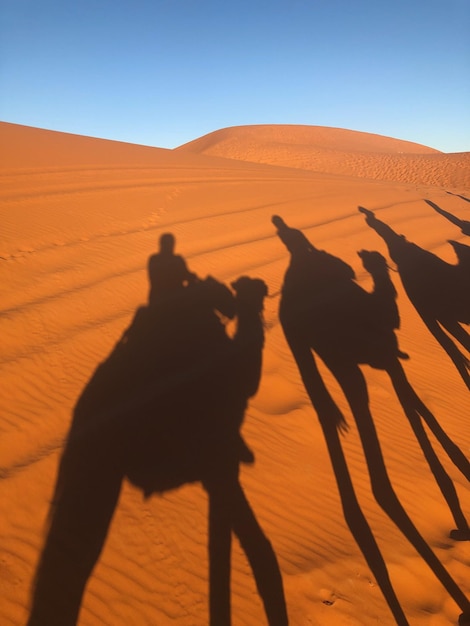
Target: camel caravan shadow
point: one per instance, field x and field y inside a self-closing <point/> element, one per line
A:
<point x="439" y="291"/>
<point x="163" y="410"/>
<point x="324" y="312"/>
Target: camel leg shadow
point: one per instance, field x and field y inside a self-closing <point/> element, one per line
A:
<point x="331" y="420"/>
<point x="459" y="360"/>
<point x="229" y="510"/>
<point x="416" y="411"/>
<point x="354" y="386"/>
<point x="460" y="334"/>
<point x="79" y="520"/>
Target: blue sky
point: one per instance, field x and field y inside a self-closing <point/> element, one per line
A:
<point x="164" y="72"/>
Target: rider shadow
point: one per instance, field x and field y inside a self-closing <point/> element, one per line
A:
<point x="324" y="311"/>
<point x="464" y="225"/>
<point x="451" y="193"/>
<point x="164" y="409"/>
<point x="438" y="290"/>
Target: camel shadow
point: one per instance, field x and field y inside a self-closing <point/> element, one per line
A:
<point x="464" y="225"/>
<point x="458" y="196"/>
<point x="438" y="290"/>
<point x="323" y="311"/>
<point x="164" y="409"/>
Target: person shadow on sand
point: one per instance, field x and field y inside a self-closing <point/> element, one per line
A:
<point x="464" y="225"/>
<point x="164" y="409"/>
<point x="323" y="311"/>
<point x="439" y="291"/>
<point x="167" y="271"/>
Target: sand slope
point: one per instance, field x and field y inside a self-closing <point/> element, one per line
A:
<point x="80" y="218"/>
<point x="338" y="151"/>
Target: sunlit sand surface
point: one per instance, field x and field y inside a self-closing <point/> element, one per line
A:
<point x="80" y="218"/>
<point x="337" y="151"/>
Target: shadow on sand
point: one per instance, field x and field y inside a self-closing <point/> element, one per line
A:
<point x="464" y="225"/>
<point x="439" y="291"/>
<point x="324" y="311"/>
<point x="163" y="410"/>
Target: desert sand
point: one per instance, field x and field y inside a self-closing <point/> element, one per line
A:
<point x="81" y="217"/>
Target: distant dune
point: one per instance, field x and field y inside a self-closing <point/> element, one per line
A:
<point x="80" y="218"/>
<point x="336" y="151"/>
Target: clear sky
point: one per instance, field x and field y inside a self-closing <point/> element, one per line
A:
<point x="164" y="72"/>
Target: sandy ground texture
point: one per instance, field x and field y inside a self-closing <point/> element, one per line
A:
<point x="352" y="498"/>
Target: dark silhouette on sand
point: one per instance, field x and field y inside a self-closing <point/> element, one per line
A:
<point x="451" y="193"/>
<point x="464" y="225"/>
<point x="167" y="271"/>
<point x="164" y="409"/>
<point x="439" y="291"/>
<point x="324" y="311"/>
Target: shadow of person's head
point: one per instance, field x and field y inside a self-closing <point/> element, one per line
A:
<point x="167" y="243"/>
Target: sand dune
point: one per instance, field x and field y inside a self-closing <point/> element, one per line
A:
<point x="80" y="218"/>
<point x="336" y="151"/>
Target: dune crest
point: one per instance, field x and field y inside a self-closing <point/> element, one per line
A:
<point x="292" y="135"/>
<point x="336" y="151"/>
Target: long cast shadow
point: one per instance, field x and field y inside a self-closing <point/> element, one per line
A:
<point x="164" y="409"/>
<point x="325" y="311"/>
<point x="438" y="290"/>
<point x="464" y="225"/>
<point x="458" y="196"/>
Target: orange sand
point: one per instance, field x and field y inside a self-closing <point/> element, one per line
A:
<point x="80" y="218"/>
